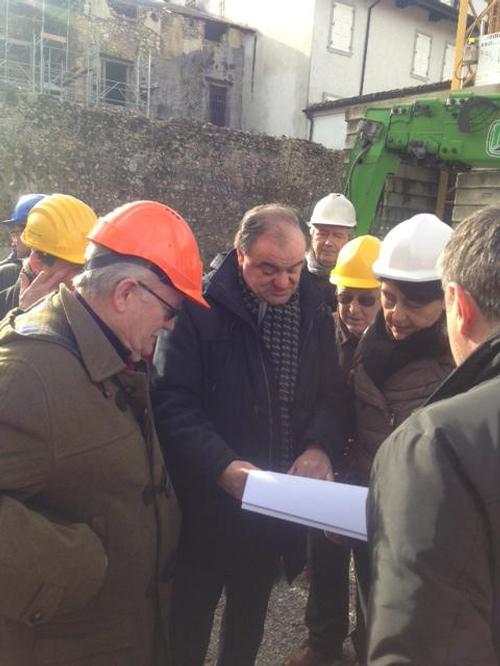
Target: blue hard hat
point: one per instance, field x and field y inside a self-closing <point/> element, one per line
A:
<point x="22" y="208"/>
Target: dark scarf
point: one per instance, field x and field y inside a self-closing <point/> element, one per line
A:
<point x="279" y="327"/>
<point x="382" y="355"/>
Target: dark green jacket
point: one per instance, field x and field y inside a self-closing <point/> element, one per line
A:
<point x="434" y="526"/>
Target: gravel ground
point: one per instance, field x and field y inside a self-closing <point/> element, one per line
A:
<point x="285" y="629"/>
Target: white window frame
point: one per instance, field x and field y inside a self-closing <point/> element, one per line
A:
<point x="418" y="74"/>
<point x="444" y="74"/>
<point x="331" y="43"/>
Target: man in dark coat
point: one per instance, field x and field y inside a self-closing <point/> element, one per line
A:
<point x="252" y="383"/>
<point x="433" y="519"/>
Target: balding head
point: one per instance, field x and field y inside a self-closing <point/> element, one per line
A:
<point x="270" y="246"/>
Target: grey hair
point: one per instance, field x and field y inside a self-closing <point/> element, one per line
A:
<point x="471" y="258"/>
<point x="266" y="219"/>
<point x="102" y="281"/>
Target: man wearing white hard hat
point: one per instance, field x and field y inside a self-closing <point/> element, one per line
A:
<point x="331" y="225"/>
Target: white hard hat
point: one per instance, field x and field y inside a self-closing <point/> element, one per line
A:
<point x="334" y="209"/>
<point x="411" y="250"/>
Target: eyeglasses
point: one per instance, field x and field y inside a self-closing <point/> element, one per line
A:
<point x="171" y="311"/>
<point x="365" y="300"/>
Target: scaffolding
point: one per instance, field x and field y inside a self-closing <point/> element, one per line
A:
<point x="34" y="44"/>
<point x="35" y="56"/>
<point x="111" y="81"/>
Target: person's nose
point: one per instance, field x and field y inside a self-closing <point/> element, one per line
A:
<point x="398" y="313"/>
<point x="282" y="280"/>
<point x="354" y="307"/>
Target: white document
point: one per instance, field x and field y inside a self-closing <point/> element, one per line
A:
<point x="326" y="505"/>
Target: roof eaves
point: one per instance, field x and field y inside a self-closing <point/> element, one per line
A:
<point x="204" y="16"/>
<point x="331" y="105"/>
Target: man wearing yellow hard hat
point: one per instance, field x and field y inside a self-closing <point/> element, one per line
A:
<point x="56" y="234"/>
<point x="327" y="611"/>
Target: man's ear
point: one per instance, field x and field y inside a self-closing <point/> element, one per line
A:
<point x="464" y="309"/>
<point x="240" y="256"/>
<point x="122" y="293"/>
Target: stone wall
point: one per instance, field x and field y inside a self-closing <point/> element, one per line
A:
<point x="211" y="175"/>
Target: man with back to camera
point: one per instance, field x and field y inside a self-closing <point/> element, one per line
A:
<point x="433" y="506"/>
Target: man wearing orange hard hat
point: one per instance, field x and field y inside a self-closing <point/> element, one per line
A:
<point x="89" y="517"/>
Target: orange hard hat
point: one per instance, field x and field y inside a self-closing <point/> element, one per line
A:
<point x="158" y="235"/>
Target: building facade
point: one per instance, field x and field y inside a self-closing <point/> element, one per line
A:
<point x="158" y="58"/>
<point x="309" y="51"/>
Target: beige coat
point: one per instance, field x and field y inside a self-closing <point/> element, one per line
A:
<point x="88" y="517"/>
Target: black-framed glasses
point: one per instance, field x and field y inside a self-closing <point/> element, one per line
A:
<point x="365" y="300"/>
<point x="172" y="312"/>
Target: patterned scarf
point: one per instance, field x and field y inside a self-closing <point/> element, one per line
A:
<point x="279" y="327"/>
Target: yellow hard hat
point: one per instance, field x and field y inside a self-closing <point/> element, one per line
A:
<point x="59" y="226"/>
<point x="354" y="266"/>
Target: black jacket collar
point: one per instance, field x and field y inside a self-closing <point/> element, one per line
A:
<point x="481" y="365"/>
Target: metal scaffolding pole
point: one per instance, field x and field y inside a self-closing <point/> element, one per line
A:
<point x="6" y="45"/>
<point x="42" y="63"/>
<point x="138" y="81"/>
<point x="148" y="92"/>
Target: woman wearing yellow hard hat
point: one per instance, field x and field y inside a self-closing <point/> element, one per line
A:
<point x="327" y="614"/>
<point x="358" y="290"/>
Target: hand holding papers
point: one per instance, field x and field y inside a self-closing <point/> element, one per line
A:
<point x="326" y="505"/>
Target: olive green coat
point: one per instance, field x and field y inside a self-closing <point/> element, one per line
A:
<point x="88" y="518"/>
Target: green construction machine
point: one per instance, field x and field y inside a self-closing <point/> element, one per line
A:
<point x="456" y="134"/>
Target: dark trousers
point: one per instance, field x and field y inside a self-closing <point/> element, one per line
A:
<point x="246" y="572"/>
<point x="327" y="610"/>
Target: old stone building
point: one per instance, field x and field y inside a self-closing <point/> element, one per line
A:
<point x="162" y="59"/>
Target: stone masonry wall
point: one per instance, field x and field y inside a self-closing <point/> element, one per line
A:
<point x="211" y="175"/>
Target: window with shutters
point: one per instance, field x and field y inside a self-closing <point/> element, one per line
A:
<point x="421" y="55"/>
<point x="341" y="28"/>
<point x="447" y="69"/>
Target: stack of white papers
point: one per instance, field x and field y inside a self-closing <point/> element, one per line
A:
<point x="326" y="505"/>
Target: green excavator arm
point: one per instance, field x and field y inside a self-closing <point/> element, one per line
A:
<point x="457" y="133"/>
